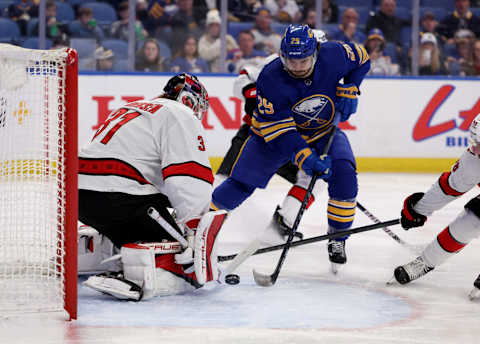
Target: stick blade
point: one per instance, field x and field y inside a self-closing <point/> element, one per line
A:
<point x="263" y="280"/>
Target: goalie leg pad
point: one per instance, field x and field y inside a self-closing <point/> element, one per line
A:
<point x="205" y="252"/>
<point x="93" y="249"/>
<point x="153" y="267"/>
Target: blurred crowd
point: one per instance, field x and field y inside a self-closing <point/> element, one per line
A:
<point x="184" y="35"/>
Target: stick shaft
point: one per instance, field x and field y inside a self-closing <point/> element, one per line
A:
<point x="412" y="248"/>
<point x="318" y="238"/>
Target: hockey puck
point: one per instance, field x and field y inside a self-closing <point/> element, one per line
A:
<point x="232" y="279"/>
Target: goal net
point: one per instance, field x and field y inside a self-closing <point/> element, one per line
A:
<point x="38" y="181"/>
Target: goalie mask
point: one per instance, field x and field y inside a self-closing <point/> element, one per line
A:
<point x="474" y="137"/>
<point x="187" y="89"/>
<point x="298" y="50"/>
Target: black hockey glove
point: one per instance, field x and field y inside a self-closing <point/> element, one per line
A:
<point x="410" y="218"/>
<point x="250" y="94"/>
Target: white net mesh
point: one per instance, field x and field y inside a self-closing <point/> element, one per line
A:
<point x="32" y="179"/>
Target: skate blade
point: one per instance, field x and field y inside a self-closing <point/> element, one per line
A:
<point x="474" y="294"/>
<point x="334" y="267"/>
<point x="392" y="281"/>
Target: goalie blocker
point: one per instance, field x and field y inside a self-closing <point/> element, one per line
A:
<point x="166" y="268"/>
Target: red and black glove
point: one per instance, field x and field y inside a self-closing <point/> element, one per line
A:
<point x="410" y="218"/>
<point x="250" y="94"/>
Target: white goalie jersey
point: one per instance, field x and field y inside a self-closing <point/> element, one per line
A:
<point x="148" y="147"/>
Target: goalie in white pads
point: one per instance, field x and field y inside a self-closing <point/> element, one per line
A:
<point x="149" y="156"/>
<point x="463" y="176"/>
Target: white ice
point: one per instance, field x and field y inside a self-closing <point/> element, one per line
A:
<point x="308" y="304"/>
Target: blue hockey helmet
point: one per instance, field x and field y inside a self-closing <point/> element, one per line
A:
<point x="298" y="42"/>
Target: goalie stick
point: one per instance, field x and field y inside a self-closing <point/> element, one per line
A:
<point x="416" y="249"/>
<point x="269" y="280"/>
<point x="316" y="238"/>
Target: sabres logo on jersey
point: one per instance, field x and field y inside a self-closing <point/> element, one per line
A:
<point x="313" y="112"/>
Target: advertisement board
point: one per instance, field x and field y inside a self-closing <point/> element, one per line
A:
<point x="400" y="123"/>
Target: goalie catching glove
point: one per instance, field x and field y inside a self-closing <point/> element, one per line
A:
<point x="161" y="269"/>
<point x="347" y="100"/>
<point x="409" y="217"/>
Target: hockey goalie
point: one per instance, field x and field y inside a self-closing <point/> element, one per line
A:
<point x="147" y="159"/>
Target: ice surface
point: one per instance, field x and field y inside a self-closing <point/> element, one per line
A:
<point x="307" y="304"/>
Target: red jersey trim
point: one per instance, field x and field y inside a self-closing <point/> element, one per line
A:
<point x="110" y="167"/>
<point x="190" y="169"/>
<point x="448" y="242"/>
<point x="299" y="194"/>
<point x="446" y="188"/>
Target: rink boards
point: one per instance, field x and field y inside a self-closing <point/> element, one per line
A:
<point x="409" y="124"/>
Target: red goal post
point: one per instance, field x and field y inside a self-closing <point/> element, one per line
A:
<point x="38" y="181"/>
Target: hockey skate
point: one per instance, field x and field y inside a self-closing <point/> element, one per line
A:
<point x="411" y="271"/>
<point x="282" y="227"/>
<point x="336" y="254"/>
<point x="114" y="284"/>
<point x="475" y="292"/>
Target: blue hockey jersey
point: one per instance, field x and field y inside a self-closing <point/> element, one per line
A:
<point x="293" y="112"/>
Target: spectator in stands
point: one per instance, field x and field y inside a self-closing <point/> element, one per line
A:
<point x="148" y="58"/>
<point x="460" y="61"/>
<point x="460" y="18"/>
<point x="209" y="43"/>
<point x="119" y="28"/>
<point x="347" y="30"/>
<point x="60" y="42"/>
<point x="21" y="11"/>
<point x="428" y="23"/>
<point x="265" y="38"/>
<point x="242" y="10"/>
<point x="476" y="59"/>
<point x="86" y="26"/>
<point x="386" y="21"/>
<point x="310" y="18"/>
<point x="154" y="15"/>
<point x="430" y="59"/>
<point x="54" y="29"/>
<point x="186" y="21"/>
<point x="246" y="54"/>
<point x="187" y="60"/>
<point x="329" y="11"/>
<point x="103" y="60"/>
<point x="284" y="11"/>
<point x="380" y="63"/>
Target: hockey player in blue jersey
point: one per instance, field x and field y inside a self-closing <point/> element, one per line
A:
<point x="298" y="95"/>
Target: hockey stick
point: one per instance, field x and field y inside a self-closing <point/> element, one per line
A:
<point x="413" y="248"/>
<point x="317" y="238"/>
<point x="269" y="280"/>
<point x="154" y="214"/>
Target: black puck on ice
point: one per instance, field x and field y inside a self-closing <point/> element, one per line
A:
<point x="232" y="279"/>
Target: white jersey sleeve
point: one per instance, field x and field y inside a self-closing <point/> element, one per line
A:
<point x="463" y="176"/>
<point x="186" y="170"/>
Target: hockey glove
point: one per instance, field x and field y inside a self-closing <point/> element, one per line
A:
<point x="250" y="94"/>
<point x="310" y="163"/>
<point x="410" y="218"/>
<point x="347" y="100"/>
